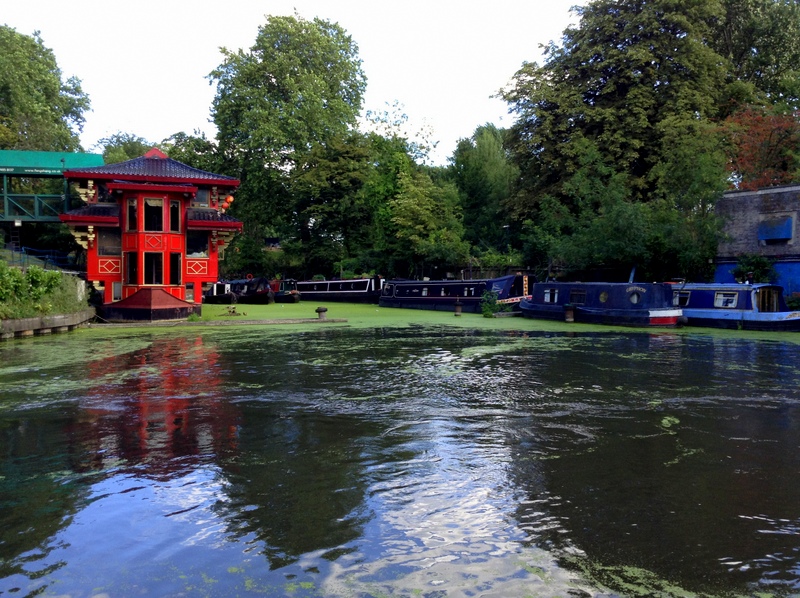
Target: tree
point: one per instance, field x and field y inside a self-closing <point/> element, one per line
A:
<point x="428" y="225"/>
<point x="761" y="41"/>
<point x="121" y="147"/>
<point x="300" y="84"/>
<point x="484" y="177"/>
<point x="38" y="109"/>
<point x="764" y="143"/>
<point x="628" y="67"/>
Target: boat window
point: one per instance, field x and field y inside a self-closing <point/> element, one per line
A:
<point x="634" y="298"/>
<point x="603" y="297"/>
<point x="680" y="298"/>
<point x="551" y="295"/>
<point x="768" y="300"/>
<point x="725" y="300"/>
<point x="424" y="291"/>
<point x="577" y="297"/>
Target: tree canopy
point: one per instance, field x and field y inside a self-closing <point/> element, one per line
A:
<point x="39" y="110"/>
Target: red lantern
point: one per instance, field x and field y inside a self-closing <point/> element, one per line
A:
<point x="229" y="199"/>
<point x="225" y="205"/>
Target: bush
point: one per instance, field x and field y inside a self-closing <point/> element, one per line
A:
<point x="38" y="292"/>
<point x="490" y="306"/>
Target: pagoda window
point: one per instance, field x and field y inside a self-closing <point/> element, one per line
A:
<point x="109" y="241"/>
<point x="175" y="216"/>
<point x="197" y="244"/>
<point x="131" y="267"/>
<point x="201" y="198"/>
<point x="131" y="215"/>
<point x="153" y="214"/>
<point x="190" y="292"/>
<point x="116" y="291"/>
<point x="175" y="269"/>
<point x="153" y="268"/>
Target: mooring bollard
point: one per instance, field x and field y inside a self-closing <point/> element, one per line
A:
<point x="458" y="307"/>
<point x="321" y="312"/>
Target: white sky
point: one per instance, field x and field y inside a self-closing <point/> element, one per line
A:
<point x="144" y="63"/>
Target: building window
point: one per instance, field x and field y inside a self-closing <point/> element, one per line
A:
<point x="175" y="269"/>
<point x="131" y="223"/>
<point x="131" y="268"/>
<point x="116" y="291"/>
<point x="201" y="198"/>
<point x="109" y="241"/>
<point x="153" y="268"/>
<point x="190" y="292"/>
<point x="175" y="216"/>
<point x="153" y="214"/>
<point x="197" y="244"/>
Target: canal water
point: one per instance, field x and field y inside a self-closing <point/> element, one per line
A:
<point x="431" y="461"/>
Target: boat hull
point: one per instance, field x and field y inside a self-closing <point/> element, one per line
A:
<point x="616" y="304"/>
<point x="736" y="306"/>
<point x="447" y="295"/>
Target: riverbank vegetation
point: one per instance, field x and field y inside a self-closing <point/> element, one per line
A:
<point x="38" y="292"/>
<point x="624" y="137"/>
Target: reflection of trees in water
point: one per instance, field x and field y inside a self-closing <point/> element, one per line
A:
<point x="35" y="501"/>
<point x="688" y="480"/>
<point x="297" y="483"/>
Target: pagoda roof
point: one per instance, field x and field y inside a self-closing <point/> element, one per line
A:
<point x="93" y="213"/>
<point x="154" y="167"/>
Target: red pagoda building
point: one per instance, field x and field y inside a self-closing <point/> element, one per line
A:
<point x="154" y="230"/>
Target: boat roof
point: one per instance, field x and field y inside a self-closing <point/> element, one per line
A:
<point x="724" y="286"/>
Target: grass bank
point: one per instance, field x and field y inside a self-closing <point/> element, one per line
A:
<point x="373" y="316"/>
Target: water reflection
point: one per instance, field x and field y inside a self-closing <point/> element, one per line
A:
<point x="426" y="461"/>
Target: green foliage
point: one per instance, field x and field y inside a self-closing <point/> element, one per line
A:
<point x="38" y="110"/>
<point x="121" y="147"/>
<point x="37" y="292"/>
<point x="490" y="306"/>
<point x="298" y="86"/>
<point x="755" y="268"/>
<point x="484" y="177"/>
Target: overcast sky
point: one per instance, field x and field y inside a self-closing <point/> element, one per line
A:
<point x="144" y="64"/>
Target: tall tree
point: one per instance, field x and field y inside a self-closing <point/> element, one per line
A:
<point x="484" y="177"/>
<point x="629" y="66"/>
<point x="38" y="109"/>
<point x="761" y="41"/>
<point x="300" y="84"/>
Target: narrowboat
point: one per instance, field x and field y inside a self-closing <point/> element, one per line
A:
<point x="355" y="290"/>
<point x="255" y="290"/>
<point x="285" y="291"/>
<point x="444" y="294"/>
<point x="735" y="306"/>
<point x="220" y="292"/>
<point x="615" y="303"/>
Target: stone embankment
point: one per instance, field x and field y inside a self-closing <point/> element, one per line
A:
<point x="43" y="325"/>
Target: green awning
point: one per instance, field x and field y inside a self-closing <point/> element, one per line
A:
<point x="17" y="162"/>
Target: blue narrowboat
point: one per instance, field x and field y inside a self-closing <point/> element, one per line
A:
<point x="736" y="306"/>
<point x="616" y="303"/>
<point x="443" y="295"/>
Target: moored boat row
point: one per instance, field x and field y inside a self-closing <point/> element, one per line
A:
<point x="736" y="306"/>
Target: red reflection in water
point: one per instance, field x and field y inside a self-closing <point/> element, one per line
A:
<point x="166" y="408"/>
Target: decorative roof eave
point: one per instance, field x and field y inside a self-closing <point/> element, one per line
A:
<point x="134" y="178"/>
<point x="234" y="225"/>
<point x="87" y="219"/>
<point x="123" y="186"/>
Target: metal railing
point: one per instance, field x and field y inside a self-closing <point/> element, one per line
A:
<point x="33" y="207"/>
